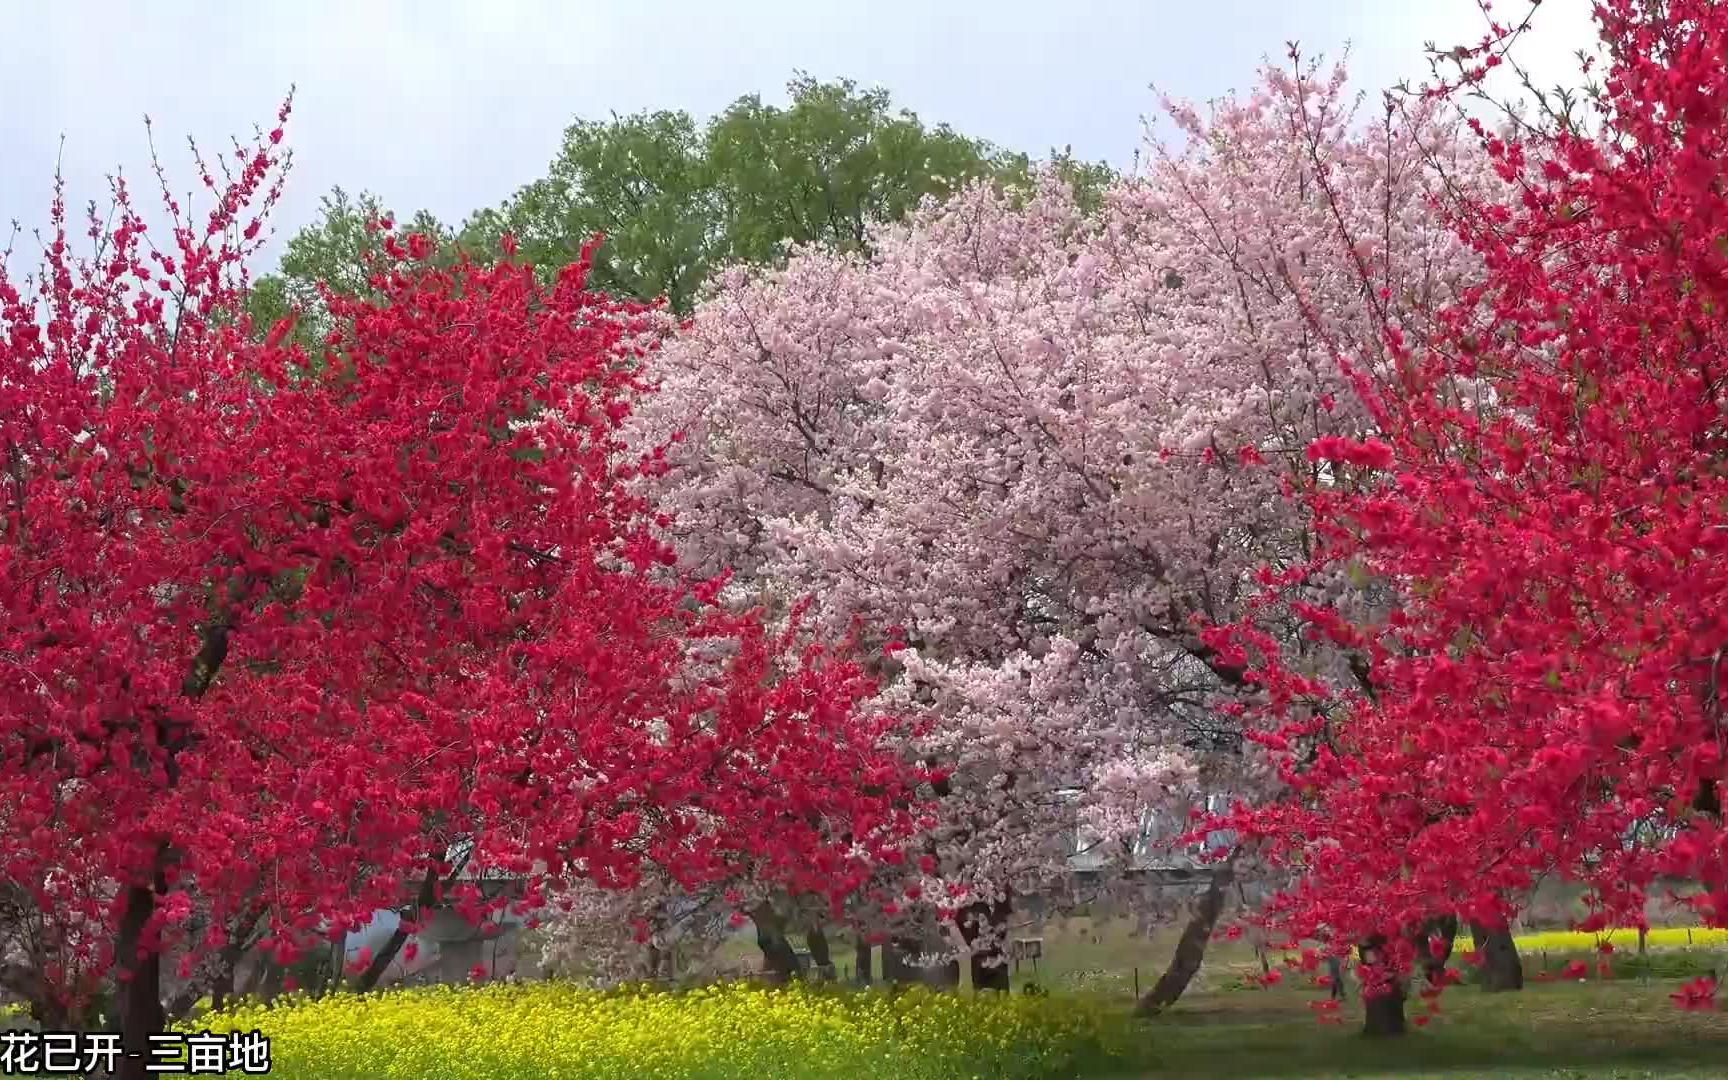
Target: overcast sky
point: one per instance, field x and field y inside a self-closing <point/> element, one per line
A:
<point x="449" y="106"/>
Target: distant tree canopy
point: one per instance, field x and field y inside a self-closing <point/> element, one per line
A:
<point x="335" y="249"/>
<point x="677" y="199"/>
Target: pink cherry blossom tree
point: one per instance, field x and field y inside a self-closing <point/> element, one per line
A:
<point x="1039" y="447"/>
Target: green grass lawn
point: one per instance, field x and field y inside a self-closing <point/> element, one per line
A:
<point x="1596" y="1030"/>
<point x="1623" y="1029"/>
<point x="1587" y="1030"/>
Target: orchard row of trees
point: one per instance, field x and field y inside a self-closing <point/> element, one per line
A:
<point x="1359" y="457"/>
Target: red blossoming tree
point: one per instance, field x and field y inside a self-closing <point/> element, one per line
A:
<point x="1546" y="694"/>
<point x="275" y="635"/>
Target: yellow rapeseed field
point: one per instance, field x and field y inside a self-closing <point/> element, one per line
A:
<point x="1661" y="937"/>
<point x="557" y="1030"/>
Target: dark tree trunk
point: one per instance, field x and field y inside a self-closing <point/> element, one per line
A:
<point x="1382" y="1004"/>
<point x="140" y="984"/>
<point x="1190" y="948"/>
<point x="989" y="962"/>
<point x="821" y="960"/>
<point x="1502" y="970"/>
<point x="861" y="973"/>
<point x="381" y="960"/>
<point x="778" y="960"/>
<point x="432" y="892"/>
<point x="140" y="989"/>
<point x="229" y="957"/>
<point x="817" y="942"/>
<point x="139" y="1004"/>
<point x="1445" y="927"/>
<point x="50" y="1015"/>
<point x="182" y="1004"/>
<point x="1383" y="1013"/>
<point x="222" y="986"/>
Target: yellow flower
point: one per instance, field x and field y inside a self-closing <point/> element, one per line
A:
<point x="1622" y="938"/>
<point x="505" y="1032"/>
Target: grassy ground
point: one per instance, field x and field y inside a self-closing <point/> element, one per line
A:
<point x="1622" y="1029"/>
<point x="1585" y="1030"/>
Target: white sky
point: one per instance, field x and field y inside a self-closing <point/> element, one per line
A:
<point x="450" y="106"/>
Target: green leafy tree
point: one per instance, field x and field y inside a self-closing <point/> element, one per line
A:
<point x="642" y="180"/>
<point x="339" y="249"/>
<point x="833" y="163"/>
<point x="677" y="199"/>
<point x="1087" y="179"/>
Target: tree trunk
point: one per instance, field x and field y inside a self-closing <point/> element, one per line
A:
<point x="381" y="960"/>
<point x="778" y="959"/>
<point x="229" y="957"/>
<point x="1445" y="927"/>
<point x="1190" y="948"/>
<point x="139" y="970"/>
<point x="140" y="990"/>
<point x="895" y="967"/>
<point x="817" y="942"/>
<point x="431" y="892"/>
<point x="50" y="1015"/>
<point x="1383" y="1013"/>
<point x="1501" y="968"/>
<point x="861" y="965"/>
<point x="222" y="985"/>
<point x="821" y="960"/>
<point x="989" y="962"/>
<point x="1382" y="1005"/>
<point x="181" y="1005"/>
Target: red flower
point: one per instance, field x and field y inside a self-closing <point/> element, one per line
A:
<point x="1697" y="994"/>
<point x="337" y="601"/>
<point x="1549" y="576"/>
